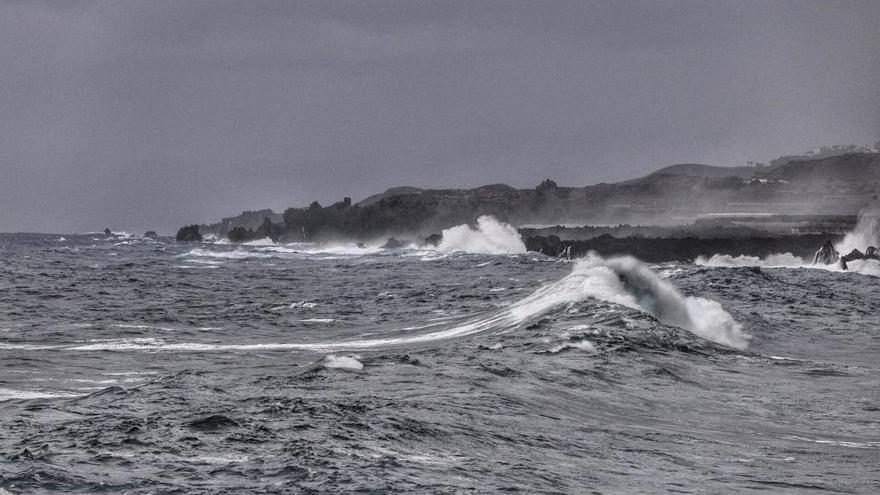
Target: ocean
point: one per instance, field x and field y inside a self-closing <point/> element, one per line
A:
<point x="136" y="365"/>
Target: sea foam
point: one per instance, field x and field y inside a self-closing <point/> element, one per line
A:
<point x="342" y="362"/>
<point x="236" y="254"/>
<point x="788" y="260"/>
<point x="13" y="394"/>
<point x="260" y="242"/>
<point x="785" y="260"/>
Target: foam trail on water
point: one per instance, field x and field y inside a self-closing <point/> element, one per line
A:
<point x="343" y="249"/>
<point x="490" y="237"/>
<point x="260" y="242"/>
<point x="785" y="260"/>
<point x="13" y="394"/>
<point x="236" y="254"/>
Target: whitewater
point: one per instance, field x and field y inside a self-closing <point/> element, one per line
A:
<point x="139" y="365"/>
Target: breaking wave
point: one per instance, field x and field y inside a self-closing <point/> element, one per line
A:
<point x="629" y="282"/>
<point x="490" y="237"/>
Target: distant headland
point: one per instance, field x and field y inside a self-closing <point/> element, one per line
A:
<point x="812" y="195"/>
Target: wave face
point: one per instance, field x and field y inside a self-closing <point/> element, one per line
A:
<point x="490" y="237"/>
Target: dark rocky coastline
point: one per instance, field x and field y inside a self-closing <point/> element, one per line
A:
<point x="189" y="233"/>
<point x="267" y="229"/>
<point x="686" y="209"/>
<point x="657" y="250"/>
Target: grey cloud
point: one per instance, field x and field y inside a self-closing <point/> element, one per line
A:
<point x="139" y="115"/>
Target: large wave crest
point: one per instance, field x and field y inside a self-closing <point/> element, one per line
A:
<point x="621" y="280"/>
<point x="627" y="281"/>
<point x="489" y="237"/>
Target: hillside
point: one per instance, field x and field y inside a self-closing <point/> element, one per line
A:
<point x="394" y="191"/>
<point x="713" y="171"/>
<point x="676" y="195"/>
<point x="852" y="167"/>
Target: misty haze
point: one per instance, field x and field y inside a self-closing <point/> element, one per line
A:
<point x="439" y="247"/>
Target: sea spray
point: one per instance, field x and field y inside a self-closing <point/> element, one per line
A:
<point x="865" y="233"/>
<point x="788" y="260"/>
<point x="489" y="237"/>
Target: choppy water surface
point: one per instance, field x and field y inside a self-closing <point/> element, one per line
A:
<point x="141" y="366"/>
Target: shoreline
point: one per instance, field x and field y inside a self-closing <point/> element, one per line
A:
<point x="665" y="249"/>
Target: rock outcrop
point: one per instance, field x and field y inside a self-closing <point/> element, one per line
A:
<point x="392" y="243"/>
<point x="870" y="253"/>
<point x="190" y="233"/>
<point x="826" y="255"/>
<point x="240" y="234"/>
<point x="855" y="254"/>
<point x="433" y="240"/>
<point x="266" y="230"/>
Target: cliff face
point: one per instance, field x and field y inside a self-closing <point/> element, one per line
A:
<point x="839" y="185"/>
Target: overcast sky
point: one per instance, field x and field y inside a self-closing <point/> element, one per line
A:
<point x="148" y="115"/>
